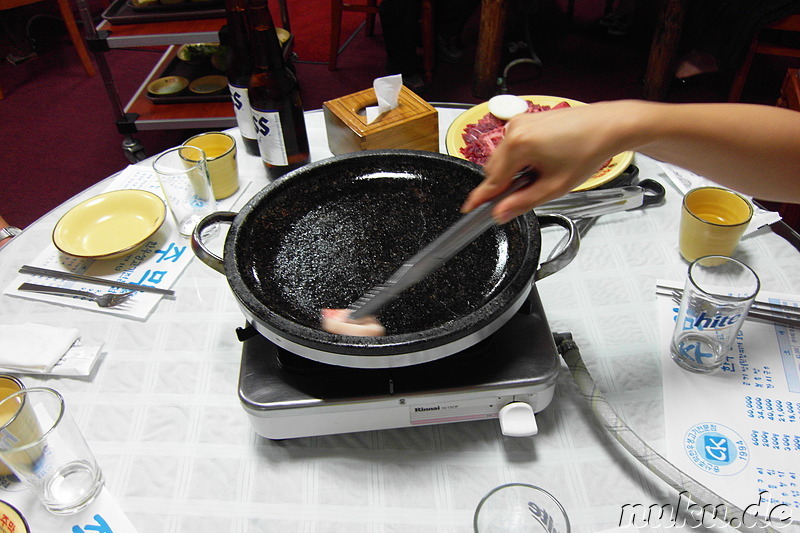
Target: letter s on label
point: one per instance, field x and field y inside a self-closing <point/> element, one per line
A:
<point x="262" y="126"/>
<point x="237" y="100"/>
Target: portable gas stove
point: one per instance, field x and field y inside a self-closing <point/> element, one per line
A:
<point x="510" y="375"/>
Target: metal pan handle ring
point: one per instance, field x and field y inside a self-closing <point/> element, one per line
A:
<point x="567" y="254"/>
<point x="199" y="247"/>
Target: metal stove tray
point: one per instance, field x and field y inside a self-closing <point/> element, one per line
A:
<point x="121" y="12"/>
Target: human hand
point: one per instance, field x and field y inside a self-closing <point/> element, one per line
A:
<point x="563" y="146"/>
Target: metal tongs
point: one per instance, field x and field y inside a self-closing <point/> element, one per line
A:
<point x="588" y="204"/>
<point x="435" y="254"/>
<point x="602" y="202"/>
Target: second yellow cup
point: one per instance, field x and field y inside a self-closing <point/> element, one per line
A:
<point x="220" y="149"/>
<point x="16" y="415"/>
<point x="713" y="220"/>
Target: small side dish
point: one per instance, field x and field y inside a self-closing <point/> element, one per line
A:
<point x="208" y="84"/>
<point x="168" y="85"/>
<point x="197" y="53"/>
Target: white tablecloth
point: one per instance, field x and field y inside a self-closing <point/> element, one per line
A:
<point x="163" y="418"/>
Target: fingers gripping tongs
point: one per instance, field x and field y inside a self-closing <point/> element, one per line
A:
<point x="435" y="254"/>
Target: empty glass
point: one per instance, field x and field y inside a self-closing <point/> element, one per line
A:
<point x="519" y="507"/>
<point x="43" y="446"/>
<point x="183" y="174"/>
<point x="716" y="299"/>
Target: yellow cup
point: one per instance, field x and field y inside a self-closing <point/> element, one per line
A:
<point x="220" y="150"/>
<point x="8" y="386"/>
<point x="713" y="220"/>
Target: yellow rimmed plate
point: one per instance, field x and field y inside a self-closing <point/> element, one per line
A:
<point x="110" y="225"/>
<point x="208" y="84"/>
<point x="455" y="142"/>
<point x="168" y="85"/>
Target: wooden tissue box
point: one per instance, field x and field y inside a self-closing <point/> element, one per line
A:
<point x="412" y="125"/>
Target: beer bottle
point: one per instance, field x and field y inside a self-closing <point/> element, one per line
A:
<point x="238" y="68"/>
<point x="274" y="97"/>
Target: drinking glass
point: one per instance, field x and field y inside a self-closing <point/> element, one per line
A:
<point x="43" y="446"/>
<point x="520" y="507"/>
<point x="183" y="174"/>
<point x="716" y="298"/>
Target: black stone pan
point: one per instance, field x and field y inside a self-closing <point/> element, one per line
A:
<point x="326" y="233"/>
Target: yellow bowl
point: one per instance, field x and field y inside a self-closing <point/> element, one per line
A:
<point x="110" y="225"/>
<point x="454" y="140"/>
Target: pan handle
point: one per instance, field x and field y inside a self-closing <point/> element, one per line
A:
<point x="567" y="254"/>
<point x="199" y="247"/>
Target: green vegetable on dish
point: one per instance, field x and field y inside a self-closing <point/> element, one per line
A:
<point x="196" y="53"/>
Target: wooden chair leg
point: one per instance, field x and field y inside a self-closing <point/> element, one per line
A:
<point x="336" y="32"/>
<point x="77" y="39"/>
<point x="741" y="75"/>
<point x="369" y="28"/>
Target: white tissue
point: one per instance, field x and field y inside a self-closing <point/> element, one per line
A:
<point x="35" y="348"/>
<point x="387" y="91"/>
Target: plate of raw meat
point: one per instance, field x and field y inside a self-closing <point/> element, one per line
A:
<point x="475" y="134"/>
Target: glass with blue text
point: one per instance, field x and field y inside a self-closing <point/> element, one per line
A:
<point x="520" y="508"/>
<point x="717" y="296"/>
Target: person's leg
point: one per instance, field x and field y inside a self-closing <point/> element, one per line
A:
<point x="450" y="18"/>
<point x="400" y="25"/>
<point x="702" y="35"/>
<point x="621" y="19"/>
<point x="13" y="23"/>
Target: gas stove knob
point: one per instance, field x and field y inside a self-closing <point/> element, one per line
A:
<point x="518" y="420"/>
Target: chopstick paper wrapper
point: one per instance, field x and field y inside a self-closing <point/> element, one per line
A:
<point x="157" y="263"/>
<point x="37" y="271"/>
<point x="727" y="429"/>
<point x="104" y="514"/>
<point x="41" y="349"/>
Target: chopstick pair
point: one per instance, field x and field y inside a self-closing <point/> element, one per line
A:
<point x="783" y="314"/>
<point x="38" y="271"/>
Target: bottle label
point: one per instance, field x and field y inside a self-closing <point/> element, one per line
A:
<point x="241" y="106"/>
<point x="269" y="133"/>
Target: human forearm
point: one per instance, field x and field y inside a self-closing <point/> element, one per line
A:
<point x="750" y="148"/>
<point x="753" y="149"/>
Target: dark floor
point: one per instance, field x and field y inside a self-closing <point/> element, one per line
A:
<point x="57" y="128"/>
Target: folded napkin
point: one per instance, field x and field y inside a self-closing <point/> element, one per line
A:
<point x="34" y="348"/>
